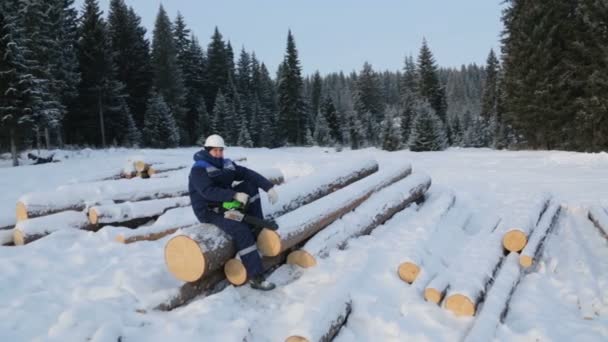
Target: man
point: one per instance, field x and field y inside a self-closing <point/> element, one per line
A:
<point x="210" y="184"/>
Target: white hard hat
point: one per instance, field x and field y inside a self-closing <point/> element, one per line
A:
<point x="215" y="140"/>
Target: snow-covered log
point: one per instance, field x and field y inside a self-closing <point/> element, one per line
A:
<point x="320" y="184"/>
<point x="419" y="247"/>
<point x="436" y="289"/>
<point x="599" y="217"/>
<point x="374" y="211"/>
<point x="274" y="175"/>
<point x="496" y="305"/>
<point x="521" y="225"/>
<point x="473" y="275"/>
<point x="80" y="196"/>
<point x="323" y="328"/>
<point x="133" y="214"/>
<point x="299" y="225"/>
<point x="166" y="224"/>
<point x="29" y="230"/>
<point x="538" y="237"/>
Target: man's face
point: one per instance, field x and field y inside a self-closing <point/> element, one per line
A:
<point x="217" y="152"/>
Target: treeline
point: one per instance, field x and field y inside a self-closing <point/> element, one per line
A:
<point x="83" y="79"/>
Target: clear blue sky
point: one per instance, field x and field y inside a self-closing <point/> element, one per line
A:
<point x="333" y="35"/>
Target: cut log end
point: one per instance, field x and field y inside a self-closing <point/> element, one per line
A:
<point x="184" y="258"/>
<point x="302" y="259"/>
<point x="151" y="171"/>
<point x="120" y="239"/>
<point x="514" y="240"/>
<point x="269" y="243"/>
<point x="525" y="260"/>
<point x="21" y="211"/>
<point x="93" y="216"/>
<point x="408" y="272"/>
<point x="460" y="305"/>
<point x="235" y="272"/>
<point x="140" y="166"/>
<point x="432" y="295"/>
<point x="296" y="338"/>
<point x="18" y="237"/>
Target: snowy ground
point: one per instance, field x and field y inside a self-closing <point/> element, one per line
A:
<point x="78" y="286"/>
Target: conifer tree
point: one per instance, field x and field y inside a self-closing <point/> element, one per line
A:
<point x="427" y="132"/>
<point x="291" y="113"/>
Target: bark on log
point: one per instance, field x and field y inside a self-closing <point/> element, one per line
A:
<point x="496" y="306"/>
<point x="6" y="237"/>
<point x="133" y="214"/>
<point x="375" y="211"/>
<point x="33" y="229"/>
<point x="538" y="237"/>
<point x="599" y="217"/>
<point x="521" y="226"/>
<point x="188" y="291"/>
<point x="79" y="196"/>
<point x="293" y="196"/>
<point x="297" y="226"/>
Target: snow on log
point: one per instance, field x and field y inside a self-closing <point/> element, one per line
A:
<point x="496" y="305"/>
<point x="521" y="225"/>
<point x="538" y="237"/>
<point x="29" y="230"/>
<point x="197" y="251"/>
<point x="80" y="196"/>
<point x="166" y="224"/>
<point x="274" y="175"/>
<point x="599" y="217"/>
<point x="310" y="188"/>
<point x="374" y="211"/>
<point x="325" y="327"/>
<point x="474" y="272"/>
<point x="133" y="214"/>
<point x="299" y="225"/>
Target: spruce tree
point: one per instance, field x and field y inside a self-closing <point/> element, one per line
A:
<point x="368" y="103"/>
<point x="322" y="136"/>
<point x="315" y="96"/>
<point x="168" y="78"/>
<point x="391" y="130"/>
<point x="160" y="129"/>
<point x="409" y="96"/>
<point x="217" y="69"/>
<point x="427" y="132"/>
<point x="244" y="139"/>
<point x="131" y="56"/>
<point x="331" y="116"/>
<point x="429" y="86"/>
<point x="220" y="112"/>
<point x="291" y="113"/>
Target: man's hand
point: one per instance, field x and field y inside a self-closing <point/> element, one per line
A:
<point x="241" y="197"/>
<point x="273" y="196"/>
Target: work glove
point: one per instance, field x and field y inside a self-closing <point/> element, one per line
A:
<point x="241" y="197"/>
<point x="273" y="196"/>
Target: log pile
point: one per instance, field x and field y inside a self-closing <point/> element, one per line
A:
<point x="293" y="196"/>
<point x="33" y="229"/>
<point x="299" y="225"/>
<point x="375" y="211"/>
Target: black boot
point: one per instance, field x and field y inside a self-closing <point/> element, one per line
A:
<point x="259" y="283"/>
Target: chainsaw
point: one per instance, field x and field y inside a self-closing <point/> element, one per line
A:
<point x="236" y="211"/>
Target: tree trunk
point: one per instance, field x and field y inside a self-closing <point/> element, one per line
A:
<point x="33" y="229"/>
<point x="133" y="214"/>
<point x="521" y="226"/>
<point x="101" y="120"/>
<point x="47" y="138"/>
